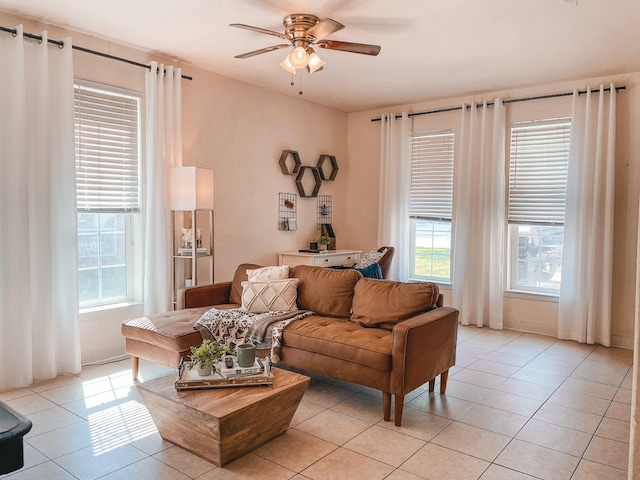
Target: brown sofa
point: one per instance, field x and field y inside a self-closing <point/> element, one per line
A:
<point x="391" y="336"/>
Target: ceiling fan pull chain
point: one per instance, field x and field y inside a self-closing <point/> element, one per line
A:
<point x="300" y="92"/>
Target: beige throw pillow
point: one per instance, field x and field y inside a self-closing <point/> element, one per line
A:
<point x="270" y="296"/>
<point x="265" y="274"/>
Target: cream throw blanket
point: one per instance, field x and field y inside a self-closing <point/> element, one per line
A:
<point x="234" y="326"/>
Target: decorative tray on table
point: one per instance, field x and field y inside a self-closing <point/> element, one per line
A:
<point x="259" y="374"/>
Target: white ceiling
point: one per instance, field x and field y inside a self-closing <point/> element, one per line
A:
<point x="430" y="48"/>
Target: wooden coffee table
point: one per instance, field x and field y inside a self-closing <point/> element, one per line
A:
<point x="222" y="424"/>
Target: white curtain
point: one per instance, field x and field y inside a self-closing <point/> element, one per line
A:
<point x="393" y="206"/>
<point x="39" y="334"/>
<point x="479" y="216"/>
<point x="163" y="94"/>
<point x="584" y="312"/>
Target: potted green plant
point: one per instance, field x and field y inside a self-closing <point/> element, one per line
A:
<point x="205" y="357"/>
<point x="323" y="243"/>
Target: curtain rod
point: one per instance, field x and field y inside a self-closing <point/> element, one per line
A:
<point x="60" y="44"/>
<point x="513" y="100"/>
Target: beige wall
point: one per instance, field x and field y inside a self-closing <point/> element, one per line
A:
<point x="521" y="312"/>
<point x="239" y="131"/>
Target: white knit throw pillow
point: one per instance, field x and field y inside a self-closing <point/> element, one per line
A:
<point x="264" y="274"/>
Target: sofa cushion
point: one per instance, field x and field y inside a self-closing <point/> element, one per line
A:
<point x="340" y="338"/>
<point x="383" y="303"/>
<point x="235" y="296"/>
<point x="273" y="295"/>
<point x="326" y="291"/>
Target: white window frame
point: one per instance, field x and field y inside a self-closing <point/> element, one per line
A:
<point x="431" y="192"/>
<point x="523" y="206"/>
<point x="125" y="198"/>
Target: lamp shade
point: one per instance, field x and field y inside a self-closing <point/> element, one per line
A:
<point x="191" y="188"/>
<point x="315" y="62"/>
<point x="286" y="64"/>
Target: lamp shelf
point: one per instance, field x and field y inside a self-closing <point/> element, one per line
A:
<point x="191" y="227"/>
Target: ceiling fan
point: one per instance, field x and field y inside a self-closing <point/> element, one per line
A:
<point x="302" y="30"/>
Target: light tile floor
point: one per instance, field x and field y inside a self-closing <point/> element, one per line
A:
<point x="518" y="406"/>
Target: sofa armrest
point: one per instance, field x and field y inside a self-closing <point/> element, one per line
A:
<point x="203" y="295"/>
<point x="423" y="347"/>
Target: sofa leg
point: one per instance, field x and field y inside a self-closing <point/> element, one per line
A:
<point x="399" y="406"/>
<point x="386" y="406"/>
<point x="432" y="385"/>
<point x="444" y="376"/>
<point x="135" y="361"/>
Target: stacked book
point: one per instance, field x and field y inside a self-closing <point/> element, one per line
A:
<point x="187" y="252"/>
<point x="237" y="371"/>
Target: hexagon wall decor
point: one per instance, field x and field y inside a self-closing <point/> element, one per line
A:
<point x="283" y="162"/>
<point x="334" y="167"/>
<point x="316" y="176"/>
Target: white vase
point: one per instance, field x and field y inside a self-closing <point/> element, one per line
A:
<point x="205" y="371"/>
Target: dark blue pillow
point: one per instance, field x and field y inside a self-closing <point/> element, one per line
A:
<point x="372" y="271"/>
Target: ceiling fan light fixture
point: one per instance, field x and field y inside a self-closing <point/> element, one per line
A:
<point x="315" y="62"/>
<point x="286" y="64"/>
<point x="298" y="57"/>
<point x="301" y="31"/>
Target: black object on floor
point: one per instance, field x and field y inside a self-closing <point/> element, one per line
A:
<point x="13" y="426"/>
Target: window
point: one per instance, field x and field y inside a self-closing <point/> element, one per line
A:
<point x="537" y="192"/>
<point x="107" y="151"/>
<point x="430" y="205"/>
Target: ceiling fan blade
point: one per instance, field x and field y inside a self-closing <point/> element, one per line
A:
<point x="263" y="50"/>
<point x="362" y="48"/>
<point x="323" y="28"/>
<point x="260" y="30"/>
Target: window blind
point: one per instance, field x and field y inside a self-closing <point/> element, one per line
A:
<point x="107" y="129"/>
<point x="431" y="191"/>
<point x="538" y="172"/>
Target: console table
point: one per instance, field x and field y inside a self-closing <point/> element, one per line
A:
<point x="331" y="258"/>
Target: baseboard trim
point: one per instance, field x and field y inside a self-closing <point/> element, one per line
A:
<point x="103" y="361"/>
<point x="622" y="342"/>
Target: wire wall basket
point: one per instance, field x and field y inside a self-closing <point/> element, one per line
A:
<point x="287" y="211"/>
<point x="325" y="209"/>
